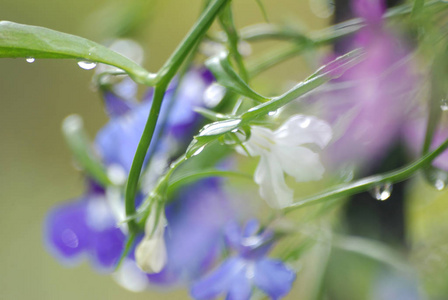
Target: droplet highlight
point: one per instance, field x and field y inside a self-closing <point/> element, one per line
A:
<point x="444" y="104"/>
<point x="439" y="184"/>
<point x="382" y="192"/>
<point x="30" y="60"/>
<point x="86" y="65"/>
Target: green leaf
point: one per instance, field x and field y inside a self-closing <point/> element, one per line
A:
<point x="18" y="40"/>
<point x="227" y="77"/>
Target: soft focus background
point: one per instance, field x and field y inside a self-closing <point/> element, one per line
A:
<point x="36" y="167"/>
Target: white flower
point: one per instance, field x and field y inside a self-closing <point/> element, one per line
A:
<point x="283" y="151"/>
<point x="150" y="254"/>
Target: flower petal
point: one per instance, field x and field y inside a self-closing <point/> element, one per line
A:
<point x="219" y="281"/>
<point x="300" y="129"/>
<point x="106" y="248"/>
<point x="299" y="162"/>
<point x="269" y="176"/>
<point x="241" y="287"/>
<point x="273" y="277"/>
<point x="66" y="232"/>
<point x="116" y="106"/>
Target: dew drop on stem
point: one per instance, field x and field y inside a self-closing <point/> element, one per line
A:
<point x="444" y="104"/>
<point x="382" y="191"/>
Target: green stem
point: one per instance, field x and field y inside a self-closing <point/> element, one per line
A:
<point x="164" y="76"/>
<point x="227" y="23"/>
<point x="140" y="154"/>
<point x="176" y="184"/>
<point x="367" y="183"/>
<point x="171" y="66"/>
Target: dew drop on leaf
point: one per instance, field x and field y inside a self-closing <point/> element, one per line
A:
<point x="30" y="60"/>
<point x="86" y="65"/>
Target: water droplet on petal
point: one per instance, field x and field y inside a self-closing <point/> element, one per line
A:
<point x="382" y="191"/>
<point x="444" y="104"/>
<point x="30" y="60"/>
<point x="86" y="65"/>
<point x="69" y="238"/>
<point x="198" y="151"/>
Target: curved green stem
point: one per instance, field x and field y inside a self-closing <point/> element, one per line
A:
<point x="367" y="183"/>
<point x="142" y="149"/>
<point x="164" y="76"/>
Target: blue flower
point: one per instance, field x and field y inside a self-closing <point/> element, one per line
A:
<point x="87" y="227"/>
<point x="237" y="275"/>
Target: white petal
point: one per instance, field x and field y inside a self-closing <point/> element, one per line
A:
<point x="300" y="129"/>
<point x="260" y="141"/>
<point x="299" y="162"/>
<point x="151" y="255"/>
<point x="131" y="277"/>
<point x="269" y="176"/>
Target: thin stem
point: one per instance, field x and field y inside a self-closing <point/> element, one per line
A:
<point x="164" y="76"/>
<point x="227" y="23"/>
<point x="173" y="63"/>
<point x="176" y="184"/>
<point x="140" y="154"/>
<point x="371" y="181"/>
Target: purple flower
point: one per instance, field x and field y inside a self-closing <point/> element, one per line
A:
<point x="368" y="104"/>
<point x="85" y="227"/>
<point x="118" y="140"/>
<point x="194" y="233"/>
<point x="414" y="135"/>
<point x="249" y="267"/>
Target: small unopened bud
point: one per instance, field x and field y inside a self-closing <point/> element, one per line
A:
<point x="150" y="254"/>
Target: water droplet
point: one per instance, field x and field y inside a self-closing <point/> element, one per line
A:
<point x="198" y="151"/>
<point x="437" y="178"/>
<point x="213" y="95"/>
<point x="444" y="104"/>
<point x="272" y="113"/>
<point x="86" y="65"/>
<point x="439" y="184"/>
<point x="69" y="238"/>
<point x="382" y="191"/>
<point x="30" y="60"/>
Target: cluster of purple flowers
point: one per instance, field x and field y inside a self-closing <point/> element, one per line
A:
<point x="91" y="226"/>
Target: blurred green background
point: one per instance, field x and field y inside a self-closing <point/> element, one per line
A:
<point x="37" y="170"/>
